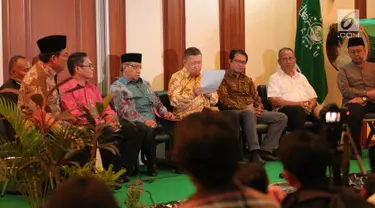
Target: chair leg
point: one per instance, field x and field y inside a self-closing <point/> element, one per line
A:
<point x="371" y="134"/>
<point x="4" y="188"/>
<point x="260" y="138"/>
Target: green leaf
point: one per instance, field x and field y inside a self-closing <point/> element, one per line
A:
<point x="110" y="147"/>
<point x="64" y="116"/>
<point x="38" y="99"/>
<point x="70" y="154"/>
<point x="107" y="100"/>
<point x="58" y="85"/>
<point x="99" y="107"/>
<point x="89" y="117"/>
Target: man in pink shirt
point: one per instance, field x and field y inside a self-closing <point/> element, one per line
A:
<point x="86" y="94"/>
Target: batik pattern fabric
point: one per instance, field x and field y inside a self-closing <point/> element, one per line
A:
<point x="31" y="85"/>
<point x="237" y="91"/>
<point x="182" y="97"/>
<point x="135" y="100"/>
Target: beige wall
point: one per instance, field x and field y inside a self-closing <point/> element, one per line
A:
<point x="329" y="12"/>
<point x="144" y="34"/>
<point x="370" y="9"/>
<point x="266" y="34"/>
<point x="204" y="36"/>
<point x="269" y="25"/>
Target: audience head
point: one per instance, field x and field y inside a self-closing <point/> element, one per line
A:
<point x="80" y="66"/>
<point x="206" y="149"/>
<point x="287" y="60"/>
<point x="53" y="52"/>
<point x="238" y="60"/>
<point x="253" y="175"/>
<point x="193" y="61"/>
<point x="18" y="67"/>
<point x="356" y="50"/>
<point x="305" y="157"/>
<point x="82" y="192"/>
<point x="131" y="65"/>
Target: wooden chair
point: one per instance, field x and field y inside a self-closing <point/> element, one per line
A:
<point x="370" y="120"/>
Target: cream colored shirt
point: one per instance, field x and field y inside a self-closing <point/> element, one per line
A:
<point x="296" y="88"/>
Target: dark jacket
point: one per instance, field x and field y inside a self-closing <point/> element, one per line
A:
<point x="321" y="194"/>
<point x="5" y="127"/>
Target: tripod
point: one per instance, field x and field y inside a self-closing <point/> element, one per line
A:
<point x="340" y="155"/>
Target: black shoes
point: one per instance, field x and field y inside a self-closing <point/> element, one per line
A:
<point x="151" y="170"/>
<point x="267" y="156"/>
<point x="261" y="156"/>
<point x="255" y="157"/>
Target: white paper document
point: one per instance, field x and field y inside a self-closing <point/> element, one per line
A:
<point x="211" y="80"/>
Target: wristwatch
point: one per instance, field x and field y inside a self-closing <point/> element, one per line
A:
<point x="364" y="99"/>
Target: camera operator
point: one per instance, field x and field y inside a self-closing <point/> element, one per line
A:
<point x="305" y="158"/>
<point x="356" y="82"/>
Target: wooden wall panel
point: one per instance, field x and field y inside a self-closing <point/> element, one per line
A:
<point x="117" y="36"/>
<point x="174" y="37"/>
<point x="26" y="21"/>
<point x="232" y="28"/>
<point x="361" y="6"/>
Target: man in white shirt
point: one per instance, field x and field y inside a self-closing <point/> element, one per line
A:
<point x="290" y="92"/>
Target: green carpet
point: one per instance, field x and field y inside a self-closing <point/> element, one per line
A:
<point x="167" y="186"/>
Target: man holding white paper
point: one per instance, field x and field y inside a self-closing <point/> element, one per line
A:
<point x="212" y="79"/>
<point x="237" y="92"/>
<point x="185" y="91"/>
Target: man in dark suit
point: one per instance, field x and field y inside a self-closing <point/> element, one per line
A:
<point x="18" y="66"/>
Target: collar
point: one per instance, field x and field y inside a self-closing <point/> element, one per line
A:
<point x="186" y="74"/>
<point x="360" y="66"/>
<point x="17" y="81"/>
<point x="125" y="81"/>
<point x="75" y="83"/>
<point x="49" y="71"/>
<point x="234" y="74"/>
<point x="296" y="73"/>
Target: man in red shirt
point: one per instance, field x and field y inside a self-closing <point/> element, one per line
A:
<point x="87" y="95"/>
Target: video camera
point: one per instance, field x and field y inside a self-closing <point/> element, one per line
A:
<point x="332" y="114"/>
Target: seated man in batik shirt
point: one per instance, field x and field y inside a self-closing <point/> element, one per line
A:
<point x="52" y="60"/>
<point x="134" y="100"/>
<point x="237" y="92"/>
<point x="184" y="90"/>
<point x="78" y="93"/>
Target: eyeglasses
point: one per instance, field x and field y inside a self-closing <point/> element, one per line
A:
<point x="64" y="54"/>
<point x="87" y="65"/>
<point x="135" y="66"/>
<point x="239" y="61"/>
<point x="288" y="59"/>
